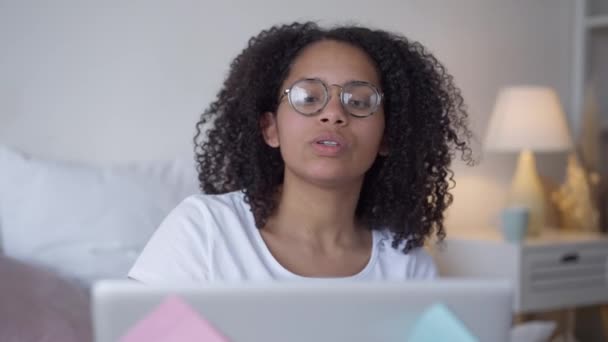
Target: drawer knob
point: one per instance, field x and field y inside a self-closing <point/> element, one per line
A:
<point x="570" y="258"/>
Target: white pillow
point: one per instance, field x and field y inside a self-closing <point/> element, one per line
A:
<point x="85" y="220"/>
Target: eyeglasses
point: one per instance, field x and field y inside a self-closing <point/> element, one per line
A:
<point x="309" y="96"/>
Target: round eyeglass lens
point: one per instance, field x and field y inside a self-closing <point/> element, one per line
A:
<point x="360" y="99"/>
<point x="308" y="96"/>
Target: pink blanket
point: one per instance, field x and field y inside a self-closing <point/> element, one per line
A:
<point x="37" y="305"/>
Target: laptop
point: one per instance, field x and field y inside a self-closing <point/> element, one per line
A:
<point x="332" y="311"/>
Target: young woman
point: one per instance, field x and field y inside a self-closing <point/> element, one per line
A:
<point x="329" y="158"/>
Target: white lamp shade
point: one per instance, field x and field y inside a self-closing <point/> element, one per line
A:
<point x="528" y="118"/>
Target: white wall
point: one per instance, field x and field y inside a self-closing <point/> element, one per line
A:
<point x="116" y="80"/>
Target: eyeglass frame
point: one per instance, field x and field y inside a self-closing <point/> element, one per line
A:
<point x="329" y="95"/>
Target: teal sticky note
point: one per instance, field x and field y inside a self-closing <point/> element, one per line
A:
<point x="439" y="324"/>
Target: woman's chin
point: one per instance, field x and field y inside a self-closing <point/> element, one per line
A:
<point x="334" y="179"/>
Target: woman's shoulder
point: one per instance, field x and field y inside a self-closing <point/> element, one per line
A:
<point x="181" y="248"/>
<point x="213" y="202"/>
<point x="416" y="263"/>
<point x="205" y="214"/>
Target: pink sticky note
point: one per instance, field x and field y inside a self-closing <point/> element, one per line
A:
<point x="173" y="320"/>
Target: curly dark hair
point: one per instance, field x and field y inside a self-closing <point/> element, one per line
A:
<point x="426" y="122"/>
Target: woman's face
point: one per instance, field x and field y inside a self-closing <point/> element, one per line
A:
<point x="331" y="147"/>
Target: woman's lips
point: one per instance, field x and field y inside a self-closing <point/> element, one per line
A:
<point x="329" y="144"/>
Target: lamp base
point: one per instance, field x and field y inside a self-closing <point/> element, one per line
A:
<point x="527" y="190"/>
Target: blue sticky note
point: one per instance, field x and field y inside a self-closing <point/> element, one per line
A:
<point x="439" y="324"/>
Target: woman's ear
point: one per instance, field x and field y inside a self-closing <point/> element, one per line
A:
<point x="268" y="125"/>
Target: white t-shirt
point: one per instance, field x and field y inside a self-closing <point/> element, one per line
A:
<point x="214" y="238"/>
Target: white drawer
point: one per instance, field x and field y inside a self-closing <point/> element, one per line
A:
<point x="562" y="276"/>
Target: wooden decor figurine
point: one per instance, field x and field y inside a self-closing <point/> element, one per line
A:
<point x="578" y="198"/>
<point x="575" y="201"/>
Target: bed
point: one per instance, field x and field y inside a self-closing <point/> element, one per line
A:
<point x="66" y="224"/>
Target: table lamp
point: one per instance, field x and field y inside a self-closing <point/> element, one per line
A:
<point x="528" y="119"/>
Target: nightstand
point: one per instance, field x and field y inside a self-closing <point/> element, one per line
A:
<point x="551" y="272"/>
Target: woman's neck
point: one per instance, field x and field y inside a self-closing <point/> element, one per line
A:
<point x="322" y="216"/>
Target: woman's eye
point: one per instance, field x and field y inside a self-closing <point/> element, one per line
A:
<point x="358" y="103"/>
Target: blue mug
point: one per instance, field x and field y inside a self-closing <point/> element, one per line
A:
<point x="514" y="222"/>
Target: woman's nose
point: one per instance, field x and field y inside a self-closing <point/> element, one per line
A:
<point x="334" y="112"/>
